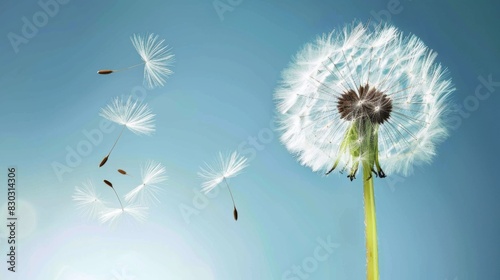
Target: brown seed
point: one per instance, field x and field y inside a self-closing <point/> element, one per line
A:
<point x="104" y="72"/>
<point x="108" y="183"/>
<point x="235" y="213"/>
<point x="104" y="161"/>
<point x="121" y="171"/>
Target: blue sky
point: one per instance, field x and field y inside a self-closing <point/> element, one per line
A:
<point x="441" y="222"/>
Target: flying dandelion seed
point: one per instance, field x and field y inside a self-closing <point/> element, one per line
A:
<point x="123" y="172"/>
<point x="111" y="186"/>
<point x="112" y="216"/>
<point x="88" y="200"/>
<point x="223" y="169"/>
<point x="108" y="183"/>
<point x="156" y="58"/>
<point x="152" y="174"/>
<point x="130" y="114"/>
<point x="364" y="96"/>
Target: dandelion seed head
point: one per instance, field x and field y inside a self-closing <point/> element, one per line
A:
<point x="88" y="200"/>
<point x="137" y="117"/>
<point x="152" y="174"/>
<point x="373" y="78"/>
<point x="157" y="59"/>
<point x="224" y="167"/>
<point x="113" y="216"/>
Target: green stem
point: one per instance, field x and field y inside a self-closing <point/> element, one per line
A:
<point x="370" y="224"/>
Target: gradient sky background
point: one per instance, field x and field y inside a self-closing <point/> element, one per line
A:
<point x="439" y="223"/>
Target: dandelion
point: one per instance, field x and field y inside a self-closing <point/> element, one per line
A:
<point x="223" y="169"/>
<point x="152" y="174"/>
<point x="156" y="58"/>
<point x="88" y="200"/>
<point x="113" y="215"/>
<point x="367" y="97"/>
<point x="130" y="114"/>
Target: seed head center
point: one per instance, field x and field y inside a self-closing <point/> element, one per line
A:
<point x="366" y="103"/>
